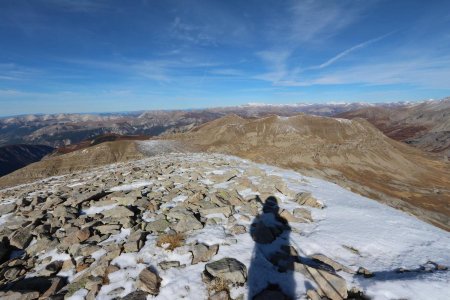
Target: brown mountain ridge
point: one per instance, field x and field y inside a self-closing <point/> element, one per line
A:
<point x="352" y="153"/>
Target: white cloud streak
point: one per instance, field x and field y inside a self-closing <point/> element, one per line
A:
<point x="348" y="51"/>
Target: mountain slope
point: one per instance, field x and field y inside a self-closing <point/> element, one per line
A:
<point x="14" y="157"/>
<point x="425" y="125"/>
<point x="353" y="153"/>
<point x="105" y="153"/>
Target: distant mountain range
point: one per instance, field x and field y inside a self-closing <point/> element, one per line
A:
<point x="425" y="125"/>
<point x="65" y="129"/>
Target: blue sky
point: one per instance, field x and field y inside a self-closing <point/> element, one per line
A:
<point x="117" y="55"/>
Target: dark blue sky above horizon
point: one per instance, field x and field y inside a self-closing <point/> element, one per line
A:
<point x="117" y="55"/>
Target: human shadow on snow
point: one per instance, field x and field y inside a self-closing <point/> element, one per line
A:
<point x="270" y="232"/>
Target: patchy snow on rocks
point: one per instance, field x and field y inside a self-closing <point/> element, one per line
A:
<point x="199" y="226"/>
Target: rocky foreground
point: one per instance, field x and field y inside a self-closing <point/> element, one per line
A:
<point x="204" y="226"/>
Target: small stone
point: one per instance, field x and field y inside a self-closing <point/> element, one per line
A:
<point x="169" y="264"/>
<point x="238" y="229"/>
<point x="363" y="271"/>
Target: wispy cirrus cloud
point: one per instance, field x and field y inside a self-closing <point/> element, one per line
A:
<point x="348" y="51"/>
<point x="15" y="72"/>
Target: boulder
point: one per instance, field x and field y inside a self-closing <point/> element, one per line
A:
<point x="228" y="269"/>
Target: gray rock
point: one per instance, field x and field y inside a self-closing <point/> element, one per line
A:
<point x="65" y="212"/>
<point x="329" y="285"/>
<point x="21" y="238"/>
<point x="125" y="200"/>
<point x="104" y="229"/>
<point x="169" y="264"/>
<point x="136" y="295"/>
<point x="334" y="264"/>
<point x="12" y="273"/>
<point x="7" y="208"/>
<point x="228" y="269"/>
<point x="363" y="271"/>
<point x="225" y="210"/>
<point x="134" y="246"/>
<point x="149" y="282"/>
<point x="12" y="295"/>
<point x="188" y="223"/>
<point x="52" y="268"/>
<point x="238" y="229"/>
<point x="303" y="213"/>
<point x="306" y="198"/>
<point x="203" y="253"/>
<point x="157" y="226"/>
<point x="118" y="212"/>
<point x="313" y="295"/>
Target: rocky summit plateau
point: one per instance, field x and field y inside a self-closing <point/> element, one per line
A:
<point x="186" y="225"/>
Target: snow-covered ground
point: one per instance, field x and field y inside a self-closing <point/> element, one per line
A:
<point x="352" y="229"/>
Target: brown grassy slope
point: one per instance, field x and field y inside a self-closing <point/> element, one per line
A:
<point x="352" y="153"/>
<point x="105" y="153"/>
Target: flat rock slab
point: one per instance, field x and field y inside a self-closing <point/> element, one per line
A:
<point x="229" y="269"/>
